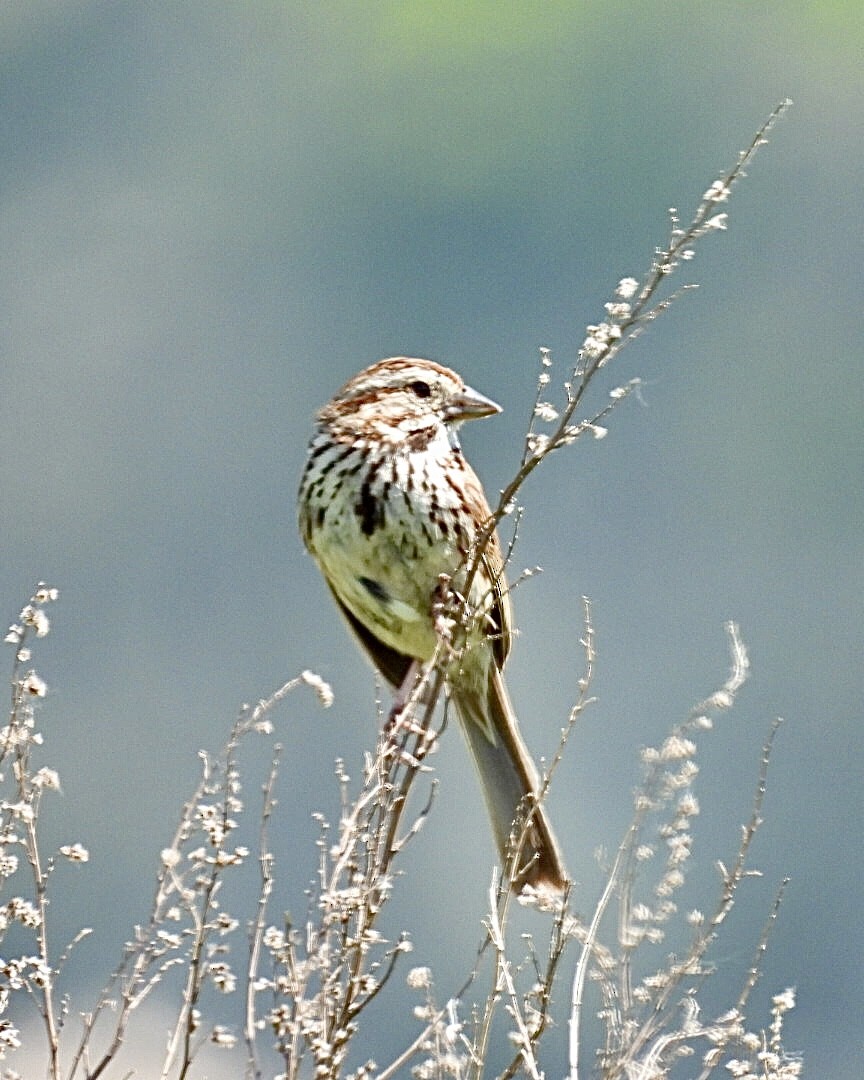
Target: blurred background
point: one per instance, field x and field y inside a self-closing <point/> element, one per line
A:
<point x="212" y="214"/>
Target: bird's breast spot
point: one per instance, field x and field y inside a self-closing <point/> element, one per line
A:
<point x="404" y="612"/>
<point x="375" y="589"/>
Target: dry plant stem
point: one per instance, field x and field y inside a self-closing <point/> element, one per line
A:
<point x="425" y="696"/>
<point x="350" y="978"/>
<point x="47" y="991"/>
<point x="558" y="943"/>
<point x="377" y="812"/>
<point x="501" y="896"/>
<point x="583" y="700"/>
<point x="731" y="879"/>
<point x="588" y="947"/>
<point x="360" y="863"/>
<point x="395" y="1067"/>
<point x="398" y="1064"/>
<point x="499" y="902"/>
<point x="185" y="1027"/>
<point x="621" y="875"/>
<point x="756" y="967"/>
<point x="134" y="981"/>
<point x="29" y="795"/>
<point x="265" y="859"/>
<point x="650" y="1033"/>
<point x="643" y="310"/>
<point x="143" y="966"/>
<point x="504" y="980"/>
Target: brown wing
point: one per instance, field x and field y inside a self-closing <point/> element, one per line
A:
<point x="490" y="575"/>
<point x="393" y="665"/>
<point x="501" y="612"/>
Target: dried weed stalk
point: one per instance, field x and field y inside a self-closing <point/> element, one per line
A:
<point x="305" y="988"/>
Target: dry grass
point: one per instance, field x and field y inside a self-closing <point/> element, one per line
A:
<point x="301" y="993"/>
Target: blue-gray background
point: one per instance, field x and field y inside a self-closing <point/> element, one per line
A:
<point x="212" y="214"/>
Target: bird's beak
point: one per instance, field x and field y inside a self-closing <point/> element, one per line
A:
<point x="470" y="405"/>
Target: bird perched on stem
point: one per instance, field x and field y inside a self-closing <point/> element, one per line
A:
<point x="389" y="507"/>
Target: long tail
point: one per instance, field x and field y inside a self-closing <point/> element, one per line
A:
<point x="510" y="784"/>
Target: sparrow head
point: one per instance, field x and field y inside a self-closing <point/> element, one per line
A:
<point x="404" y="399"/>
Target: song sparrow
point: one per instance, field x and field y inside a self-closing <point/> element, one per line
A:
<point x="387" y="504"/>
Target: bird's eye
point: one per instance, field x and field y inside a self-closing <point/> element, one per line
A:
<point x="421" y="389"/>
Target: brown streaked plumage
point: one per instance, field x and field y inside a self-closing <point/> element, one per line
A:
<point x="388" y="504"/>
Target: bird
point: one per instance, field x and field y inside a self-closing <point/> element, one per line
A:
<point x="389" y="507"/>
